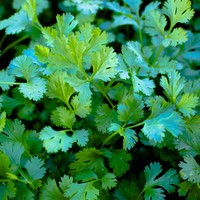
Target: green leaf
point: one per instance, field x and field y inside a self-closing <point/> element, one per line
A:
<point x="155" y="23"/>
<point x="86" y="176"/>
<point x="58" y="88"/>
<point x="50" y="190"/>
<point x="50" y="34"/>
<point x="194" y="192"/>
<point x="119" y="162"/>
<point x="178" y="11"/>
<point x="177" y="36"/>
<point x="105" y="116"/>
<point x="5" y="164"/>
<point x="145" y="85"/>
<point x="22" y="66"/>
<point x="81" y="109"/>
<point x="2" y="120"/>
<point x="162" y="119"/>
<point x="14" y="150"/>
<point x="82" y="191"/>
<point x="42" y="53"/>
<point x="80" y="85"/>
<point x="81" y="137"/>
<point x="13" y="130"/>
<point x="193" y="123"/>
<point x="23" y="192"/>
<point x="129" y="135"/>
<point x="173" y="85"/>
<point x="35" y="169"/>
<point x="166" y="181"/>
<point x="18" y="100"/>
<point x="187" y="104"/>
<point x="30" y="7"/>
<point x="6" y="80"/>
<point x="66" y="23"/>
<point x="108" y="181"/>
<point x="35" y="89"/>
<point x="8" y="190"/>
<point x="103" y="63"/>
<point x="90" y="159"/>
<point x="15" y="24"/>
<point x="190" y="169"/>
<point x="53" y="141"/>
<point x="63" y="117"/>
<point x="130" y="111"/>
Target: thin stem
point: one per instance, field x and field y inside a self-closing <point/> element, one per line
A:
<point x="104" y="94"/>
<point x="2" y="39"/>
<point x="4" y="180"/>
<point x="14" y="43"/>
<point x="108" y="138"/>
<point x="157" y="55"/>
<point x="133" y="126"/>
<point x="140" y="34"/>
<point x="36" y="27"/>
<point x="10" y="83"/>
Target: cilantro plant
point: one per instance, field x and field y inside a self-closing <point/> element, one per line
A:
<point x="81" y="121"/>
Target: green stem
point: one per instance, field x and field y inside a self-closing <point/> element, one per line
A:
<point x="14" y="43"/>
<point x="10" y="83"/>
<point x="2" y="39"/>
<point x="157" y="55"/>
<point x="133" y="126"/>
<point x="140" y="34"/>
<point x="37" y="27"/>
<point x="104" y="94"/>
<point x="108" y="138"/>
<point x="4" y="180"/>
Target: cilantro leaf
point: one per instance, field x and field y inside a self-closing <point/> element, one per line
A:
<point x="42" y="53"/>
<point x="177" y="36"/>
<point x="81" y="109"/>
<point x="187" y="104"/>
<point x="35" y="169"/>
<point x="190" y="169"/>
<point x="86" y="176"/>
<point x="23" y="192"/>
<point x="167" y="181"/>
<point x="63" y="117"/>
<point x="14" y="150"/>
<point x="173" y="85"/>
<point x="81" y="85"/>
<point x="79" y="191"/>
<point x="18" y="100"/>
<point x="119" y="161"/>
<point x="5" y="164"/>
<point x="16" y="23"/>
<point x="178" y="11"/>
<point x="103" y="63"/>
<point x="131" y="110"/>
<point x="161" y="119"/>
<point x="108" y="181"/>
<point x="105" y="116"/>
<point x="22" y="67"/>
<point x="50" y="34"/>
<point x="155" y="23"/>
<point x="34" y="89"/>
<point x="8" y="190"/>
<point x="13" y="130"/>
<point x="89" y="159"/>
<point x="2" y="120"/>
<point x="193" y="123"/>
<point x="66" y="23"/>
<point x="50" y="190"/>
<point x="81" y="137"/>
<point x="129" y="135"/>
<point x="58" y="88"/>
<point x="5" y="80"/>
<point x="53" y="141"/>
